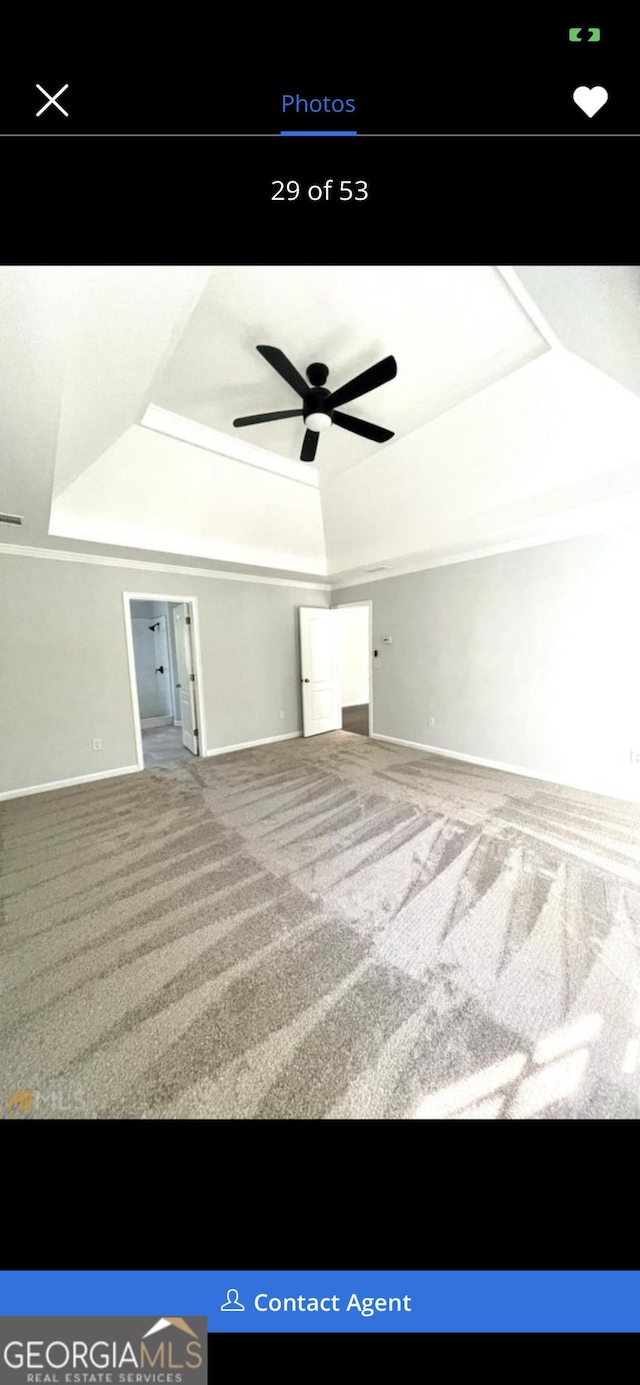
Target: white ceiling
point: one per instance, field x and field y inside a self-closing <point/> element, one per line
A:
<point x="119" y="330"/>
<point x="160" y="492"/>
<point x="553" y="450"/>
<point x="453" y="331"/>
<point x="595" y="311"/>
<point x="501" y="435"/>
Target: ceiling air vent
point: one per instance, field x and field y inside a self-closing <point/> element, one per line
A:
<point x="10" y="519"/>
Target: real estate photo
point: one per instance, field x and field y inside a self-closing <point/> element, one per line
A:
<point x="320" y="690"/>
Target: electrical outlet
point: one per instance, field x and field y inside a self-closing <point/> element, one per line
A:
<point x="431" y="721"/>
<point x="97" y="744"/>
<point x="635" y="756"/>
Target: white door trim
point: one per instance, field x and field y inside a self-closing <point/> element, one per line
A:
<point x="181" y="599"/>
<point x="341" y="606"/>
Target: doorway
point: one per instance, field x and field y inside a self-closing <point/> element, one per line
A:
<point x="165" y="671"/>
<point x="354" y="653"/>
<point x="336" y="668"/>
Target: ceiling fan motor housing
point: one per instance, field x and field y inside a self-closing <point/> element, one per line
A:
<point x="316" y="414"/>
<point x="317" y="373"/>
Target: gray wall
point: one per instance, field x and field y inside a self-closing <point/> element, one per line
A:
<point x="530" y="658"/>
<point x="64" y="675"/>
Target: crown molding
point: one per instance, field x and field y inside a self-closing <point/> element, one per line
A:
<point x="17" y="550"/>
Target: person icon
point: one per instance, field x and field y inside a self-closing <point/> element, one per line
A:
<point x="232" y="1303"/>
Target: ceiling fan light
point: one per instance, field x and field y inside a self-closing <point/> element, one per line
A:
<point x="318" y="422"/>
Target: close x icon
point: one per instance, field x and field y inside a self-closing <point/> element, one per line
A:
<point x="52" y="100"/>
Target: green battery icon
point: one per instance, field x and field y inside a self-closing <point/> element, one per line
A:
<point x="577" y="35"/>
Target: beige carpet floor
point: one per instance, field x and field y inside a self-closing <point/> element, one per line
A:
<point x="332" y="928"/>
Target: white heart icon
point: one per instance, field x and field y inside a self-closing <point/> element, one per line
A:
<point x="590" y="99"/>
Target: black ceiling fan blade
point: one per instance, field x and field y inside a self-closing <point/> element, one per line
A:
<point x="369" y="380"/>
<point x="282" y="364"/>
<point x="309" y="446"/>
<point x="266" y="418"/>
<point x="364" y="430"/>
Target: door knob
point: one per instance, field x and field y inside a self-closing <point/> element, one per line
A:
<point x="160" y="670"/>
<point x="304" y="680"/>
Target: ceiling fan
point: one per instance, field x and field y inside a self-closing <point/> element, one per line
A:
<point x="319" y="405"/>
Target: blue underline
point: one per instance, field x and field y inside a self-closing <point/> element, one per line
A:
<point x="308" y="133"/>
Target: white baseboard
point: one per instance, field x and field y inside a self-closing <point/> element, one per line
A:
<point x="247" y="745"/>
<point x="146" y="723"/>
<point x="67" y="783"/>
<point x="629" y="795"/>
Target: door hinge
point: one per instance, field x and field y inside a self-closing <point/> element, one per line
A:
<point x="196" y="731"/>
<point x="187" y="620"/>
<point x="192" y="676"/>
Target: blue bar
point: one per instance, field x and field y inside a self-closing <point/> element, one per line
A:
<point x="460" y="1301"/>
<point x="307" y="134"/>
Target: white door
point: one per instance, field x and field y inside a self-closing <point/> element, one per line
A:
<point x="321" y="709"/>
<point x="186" y="683"/>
